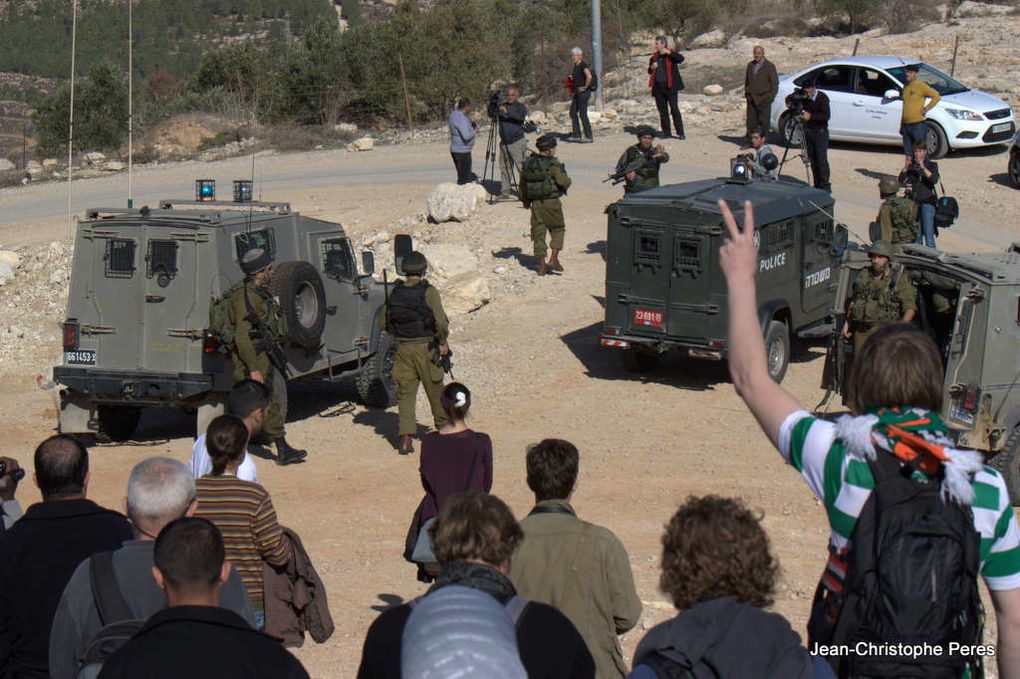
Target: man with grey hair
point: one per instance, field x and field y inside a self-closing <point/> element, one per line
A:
<point x="761" y="82"/>
<point x="159" y="490"/>
<point x="581" y="78"/>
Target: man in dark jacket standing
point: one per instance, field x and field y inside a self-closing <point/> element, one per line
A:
<point x="513" y="148"/>
<point x="761" y="82"/>
<point x="816" y="135"/>
<point x="194" y="637"/>
<point x="43" y="548"/>
<point x="474" y="538"/>
<point x="666" y="83"/>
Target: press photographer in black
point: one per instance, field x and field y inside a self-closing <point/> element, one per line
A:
<point x="815" y="117"/>
<point x="513" y="145"/>
<point x="921" y="176"/>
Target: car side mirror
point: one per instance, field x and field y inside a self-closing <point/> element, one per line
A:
<point x="891" y="94"/>
<point x="367" y="263"/>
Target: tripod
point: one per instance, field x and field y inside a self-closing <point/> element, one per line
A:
<point x="496" y="147"/>
<point x="790" y="133"/>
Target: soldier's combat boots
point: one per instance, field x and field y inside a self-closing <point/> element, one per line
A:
<point x="542" y="268"/>
<point x="285" y="454"/>
<point x="406" y="445"/>
<point x="554" y="261"/>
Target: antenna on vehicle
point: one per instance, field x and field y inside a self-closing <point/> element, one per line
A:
<point x="70" y="118"/>
<point x="131" y="107"/>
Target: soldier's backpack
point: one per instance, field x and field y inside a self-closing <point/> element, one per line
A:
<point x="911" y="578"/>
<point x="220" y="327"/>
<point x="119" y="625"/>
<point x="538" y="180"/>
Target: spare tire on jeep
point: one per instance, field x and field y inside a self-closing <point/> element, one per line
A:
<point x="298" y="286"/>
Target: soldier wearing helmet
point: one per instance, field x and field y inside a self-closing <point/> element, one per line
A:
<point x="897" y="217"/>
<point x="543" y="180"/>
<point x="253" y="311"/>
<point x="645" y="161"/>
<point x="882" y="294"/>
<point x="416" y="320"/>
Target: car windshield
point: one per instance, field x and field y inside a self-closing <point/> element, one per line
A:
<point x="939" y="81"/>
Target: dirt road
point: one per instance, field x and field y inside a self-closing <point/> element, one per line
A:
<point x="533" y="362"/>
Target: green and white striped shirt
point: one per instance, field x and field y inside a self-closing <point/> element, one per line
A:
<point x="843" y="483"/>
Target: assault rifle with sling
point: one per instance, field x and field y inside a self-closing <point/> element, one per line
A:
<point x="635" y="165"/>
<point x="263" y="337"/>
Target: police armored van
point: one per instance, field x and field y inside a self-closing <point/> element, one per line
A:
<point x="665" y="291"/>
<point x="970" y="305"/>
<point x="137" y="331"/>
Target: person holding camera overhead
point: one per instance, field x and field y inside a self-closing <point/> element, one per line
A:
<point x="513" y="148"/>
<point x="921" y="175"/>
<point x="815" y="117"/>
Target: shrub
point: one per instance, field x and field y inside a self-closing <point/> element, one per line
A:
<point x="100" y="113"/>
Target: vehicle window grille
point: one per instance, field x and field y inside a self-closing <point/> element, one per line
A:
<point x="337" y="258"/>
<point x="162" y="259"/>
<point x="264" y="239"/>
<point x="120" y="258"/>
<point x="648" y="249"/>
<point x="823" y="232"/>
<point x="687" y="256"/>
<point x="779" y="234"/>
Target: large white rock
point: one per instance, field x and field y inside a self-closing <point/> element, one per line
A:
<point x="465" y="293"/>
<point x="345" y="128"/>
<point x="93" y="157"/>
<point x="113" y="166"/>
<point x="968" y="8"/>
<point x="449" y="260"/>
<point x="6" y="165"/>
<point x="712" y="90"/>
<point x="50" y="164"/>
<point x="714" y="38"/>
<point x="594" y="117"/>
<point x="6" y="272"/>
<point x="10" y="260"/>
<point x="34" y="168"/>
<point x="362" y="144"/>
<point x="450" y="202"/>
<point x="609" y="114"/>
<point x="538" y="117"/>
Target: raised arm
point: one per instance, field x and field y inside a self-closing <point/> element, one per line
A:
<point x="767" y="401"/>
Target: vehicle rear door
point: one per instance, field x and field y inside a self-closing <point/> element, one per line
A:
<point x="694" y="312"/>
<point x="173" y="319"/>
<point x="871" y="115"/>
<point x="650" y="272"/>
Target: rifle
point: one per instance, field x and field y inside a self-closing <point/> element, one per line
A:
<point x="446" y="363"/>
<point x="636" y="165"/>
<point x="264" y="336"/>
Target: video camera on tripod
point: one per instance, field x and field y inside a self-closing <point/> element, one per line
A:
<point x="795" y="102"/>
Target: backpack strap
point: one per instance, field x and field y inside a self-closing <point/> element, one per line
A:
<point x="110" y="602"/>
<point x="515" y="607"/>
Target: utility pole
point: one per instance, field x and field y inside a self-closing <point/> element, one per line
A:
<point x="596" y="48"/>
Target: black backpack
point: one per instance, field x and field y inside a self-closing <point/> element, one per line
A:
<point x="911" y="579"/>
<point x="946" y="210"/>
<point x="594" y="81"/>
<point x="119" y="625"/>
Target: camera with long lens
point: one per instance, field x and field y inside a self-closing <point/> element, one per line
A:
<point x="16" y="474"/>
<point x="495" y="101"/>
<point x="795" y="102"/>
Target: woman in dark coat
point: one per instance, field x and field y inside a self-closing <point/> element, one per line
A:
<point x="453" y="460"/>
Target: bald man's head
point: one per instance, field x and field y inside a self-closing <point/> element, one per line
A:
<point x="61" y="467"/>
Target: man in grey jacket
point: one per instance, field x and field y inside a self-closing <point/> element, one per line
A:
<point x="513" y="146"/>
<point x="159" y="490"/>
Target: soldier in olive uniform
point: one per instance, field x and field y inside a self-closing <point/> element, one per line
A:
<point x="416" y="320"/>
<point x="897" y="216"/>
<point x="248" y="302"/>
<point x="543" y="180"/>
<point x="647" y="176"/>
<point x="882" y="294"/>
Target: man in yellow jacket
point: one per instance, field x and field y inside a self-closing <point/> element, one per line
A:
<point x="918" y="99"/>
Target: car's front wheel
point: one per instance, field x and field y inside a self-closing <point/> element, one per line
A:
<point x="1013" y="169"/>
<point x="938" y="144"/>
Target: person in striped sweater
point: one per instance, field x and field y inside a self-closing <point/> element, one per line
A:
<point x="895" y="398"/>
<point x="242" y="510"/>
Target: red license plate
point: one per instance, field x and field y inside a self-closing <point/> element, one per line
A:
<point x="648" y="317"/>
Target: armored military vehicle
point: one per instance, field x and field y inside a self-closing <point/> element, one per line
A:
<point x="137" y="328"/>
<point x="665" y="291"/>
<point x="970" y="305"/>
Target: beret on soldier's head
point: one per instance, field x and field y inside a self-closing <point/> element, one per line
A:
<point x="546" y="142"/>
<point x="414" y="262"/>
<point x="255" y="260"/>
<point x="887" y="185"/>
<point x="644" y="131"/>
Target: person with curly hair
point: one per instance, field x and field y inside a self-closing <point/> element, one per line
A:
<point x="719" y="571"/>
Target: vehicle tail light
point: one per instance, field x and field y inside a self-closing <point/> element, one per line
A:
<point x="210" y="345"/>
<point x="612" y="330"/>
<point x="717" y="344"/>
<point x="970" y="399"/>
<point x="72" y="332"/>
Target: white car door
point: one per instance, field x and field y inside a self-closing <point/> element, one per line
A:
<point x="873" y="116"/>
<point x="836" y="82"/>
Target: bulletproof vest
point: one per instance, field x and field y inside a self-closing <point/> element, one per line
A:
<point x="904" y="220"/>
<point x="408" y="315"/>
<point x="875" y="299"/>
<point x="538" y="179"/>
<point x="647" y="176"/>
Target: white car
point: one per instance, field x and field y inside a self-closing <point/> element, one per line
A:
<point x="865" y="105"/>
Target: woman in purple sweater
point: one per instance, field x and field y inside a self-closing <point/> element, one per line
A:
<point x="453" y="460"/>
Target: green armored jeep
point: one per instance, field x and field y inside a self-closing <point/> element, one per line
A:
<point x="970" y="305"/>
<point x="137" y="329"/>
<point x="665" y="291"/>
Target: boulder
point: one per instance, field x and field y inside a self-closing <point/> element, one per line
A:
<point x="714" y="38"/>
<point x="450" y="202"/>
<point x="465" y="293"/>
<point x="6" y="165"/>
<point x="969" y="8"/>
<point x="113" y="166"/>
<point x="712" y="90"/>
<point x="594" y="117"/>
<point x="50" y="164"/>
<point x="609" y="114"/>
<point x="345" y="128"/>
<point x="6" y="272"/>
<point x="10" y="258"/>
<point x="34" y="168"/>
<point x="538" y="117"/>
<point x="94" y="157"/>
<point x="449" y="261"/>
<point x="362" y="144"/>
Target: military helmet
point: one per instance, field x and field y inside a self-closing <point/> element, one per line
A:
<point x="882" y="248"/>
<point x="546" y="142"/>
<point x="255" y="260"/>
<point x="888" y="186"/>
<point x="644" y="131"/>
<point x="414" y="263"/>
<point x="769" y="162"/>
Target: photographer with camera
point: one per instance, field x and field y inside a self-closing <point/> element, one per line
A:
<point x="10" y="474"/>
<point x="513" y="147"/>
<point x="920" y="176"/>
<point x="812" y="107"/>
<point x="764" y="163"/>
